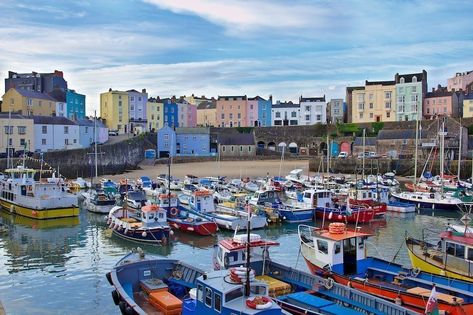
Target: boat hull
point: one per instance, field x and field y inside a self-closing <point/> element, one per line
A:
<point x="428" y="205"/>
<point x="202" y="228"/>
<point x="337" y="215"/>
<point x="431" y="267"/>
<point x="155" y="236"/>
<point x="40" y="214"/>
<point x="294" y="216"/>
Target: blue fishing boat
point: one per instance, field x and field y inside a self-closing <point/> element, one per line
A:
<point x="149" y="285"/>
<point x="147" y="225"/>
<point x="295" y="291"/>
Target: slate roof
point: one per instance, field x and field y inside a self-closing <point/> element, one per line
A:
<point x="353" y="88"/>
<point x="286" y="105"/>
<point x="194" y="131"/>
<point x="207" y="105"/>
<point x="256" y="98"/>
<point x="439" y="92"/>
<point x="394" y="134"/>
<point x="231" y="97"/>
<point x="85" y="122"/>
<point x="380" y="82"/>
<point x="13" y="116"/>
<point x="312" y="99"/>
<point x="33" y="94"/>
<point x="52" y="120"/>
<point x="236" y="139"/>
<point x="408" y="77"/>
<point x="369" y="141"/>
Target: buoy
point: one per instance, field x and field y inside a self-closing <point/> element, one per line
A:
<point x="144" y="234"/>
<point x="340" y="217"/>
<point x="171" y="232"/>
<point x="34" y="213"/>
<point x="330" y="215"/>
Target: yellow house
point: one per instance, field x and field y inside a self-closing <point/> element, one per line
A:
<point x="154" y="114"/>
<point x="468" y="107"/>
<point x="17" y="132"/>
<point x="375" y="103"/>
<point x="114" y="109"/>
<point x="27" y="103"/>
<point x="207" y="114"/>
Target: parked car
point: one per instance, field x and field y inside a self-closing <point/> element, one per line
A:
<point x="343" y="155"/>
<point x="3" y="155"/>
<point x="113" y="132"/>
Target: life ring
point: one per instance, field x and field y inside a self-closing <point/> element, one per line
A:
<point x="415" y="271"/>
<point x="328" y="283"/>
<point x="259" y="302"/>
<point x="174" y="212"/>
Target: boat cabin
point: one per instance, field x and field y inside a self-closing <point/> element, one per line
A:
<point x="317" y="198"/>
<point x="336" y="249"/>
<point x="146" y="182"/>
<point x="369" y="195"/>
<point x="231" y="252"/>
<point x="214" y="296"/>
<point x="263" y="196"/>
<point x="457" y="249"/>
<point x="202" y="201"/>
<point x="163" y="201"/>
<point x="152" y="214"/>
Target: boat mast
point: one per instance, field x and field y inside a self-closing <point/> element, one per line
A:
<point x="415" y="153"/>
<point x="460" y="150"/>
<point x="442" y="146"/>
<point x="363" y="157"/>
<point x="169" y="181"/>
<point x="282" y="159"/>
<point x="95" y="141"/>
<point x="247" y="284"/>
<point x="9" y="137"/>
<point x="328" y="156"/>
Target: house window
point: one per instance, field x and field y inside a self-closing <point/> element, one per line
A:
<point x="371" y="115"/>
<point x="166" y="137"/>
<point x="231" y="116"/>
<point x="132" y="98"/>
<point x="388" y="114"/>
<point x="387" y="95"/>
<point x="361" y="106"/>
<point x="361" y="115"/>
<point x="293" y="114"/>
<point x="43" y="141"/>
<point x="75" y="140"/>
<point x="251" y="106"/>
<point x="232" y="148"/>
<point x="319" y="117"/>
<point x="66" y="130"/>
<point x="86" y="129"/>
<point x="139" y="98"/>
<point x="307" y="108"/>
<point x="66" y="141"/>
<point x="119" y="103"/>
<point x="278" y="115"/>
<point x="22" y="142"/>
<point x="307" y="117"/>
<point x="371" y="106"/>
<point x="387" y="105"/>
<point x="44" y="129"/>
<point x="249" y="148"/>
<point x="223" y="148"/>
<point x="8" y="130"/>
<point x="132" y="107"/>
<point x="414" y="88"/>
<point x="21" y="130"/>
<point x="10" y="141"/>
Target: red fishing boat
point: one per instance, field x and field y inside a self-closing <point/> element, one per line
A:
<point x="340" y="255"/>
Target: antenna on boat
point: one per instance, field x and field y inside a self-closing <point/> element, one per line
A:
<point x="247" y="284"/>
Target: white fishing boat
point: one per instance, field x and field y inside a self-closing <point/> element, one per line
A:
<point x="43" y="199"/>
<point x="98" y="201"/>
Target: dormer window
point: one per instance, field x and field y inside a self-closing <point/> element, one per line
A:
<point x="402" y="80"/>
<point x="414" y="79"/>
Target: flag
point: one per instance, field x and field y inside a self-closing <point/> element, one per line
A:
<point x="432" y="306"/>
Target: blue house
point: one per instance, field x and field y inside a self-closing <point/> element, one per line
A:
<point x="75" y="105"/>
<point x="170" y="113"/>
<point x="193" y="141"/>
<point x="86" y="132"/>
<point x="166" y="142"/>
<point x="264" y="111"/>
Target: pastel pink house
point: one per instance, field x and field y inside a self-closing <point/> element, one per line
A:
<point x="441" y="102"/>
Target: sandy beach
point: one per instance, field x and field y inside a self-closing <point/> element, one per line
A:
<point x="232" y="169"/>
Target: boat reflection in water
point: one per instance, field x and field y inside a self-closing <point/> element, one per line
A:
<point x="39" y="244"/>
<point x="202" y="242"/>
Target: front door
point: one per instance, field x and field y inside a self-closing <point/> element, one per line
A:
<point x="349" y="256"/>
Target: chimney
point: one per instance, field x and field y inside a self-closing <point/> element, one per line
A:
<point x="433" y="89"/>
<point x="110" y="89"/>
<point x="143" y="91"/>
<point x="271" y="98"/>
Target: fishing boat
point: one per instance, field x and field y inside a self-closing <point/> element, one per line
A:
<point x="295" y="291"/>
<point x="228" y="218"/>
<point x="145" y="284"/>
<point x="109" y="186"/>
<point x="124" y="187"/>
<point x="135" y="199"/>
<point x="98" y="201"/>
<point x="340" y="254"/>
<point x="149" y="225"/>
<point x="401" y="207"/>
<point x="452" y="256"/>
<point x="47" y="198"/>
<point x="430" y="200"/>
<point x="185" y="219"/>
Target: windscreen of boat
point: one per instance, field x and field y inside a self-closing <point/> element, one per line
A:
<point x="135" y="195"/>
<point x="234" y="294"/>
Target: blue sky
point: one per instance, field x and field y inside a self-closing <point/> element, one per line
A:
<point x="212" y="47"/>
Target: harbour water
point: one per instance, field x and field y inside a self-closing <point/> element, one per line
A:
<point x="59" y="266"/>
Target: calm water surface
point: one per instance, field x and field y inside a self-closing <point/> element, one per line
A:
<point x="58" y="267"/>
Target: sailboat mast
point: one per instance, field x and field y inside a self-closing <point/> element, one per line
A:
<point x="9" y="137"/>
<point x="328" y="156"/>
<point x="247" y="284"/>
<point x="415" y="153"/>
<point x="460" y="150"/>
<point x="442" y="146"/>
<point x="363" y="160"/>
<point x="95" y="141"/>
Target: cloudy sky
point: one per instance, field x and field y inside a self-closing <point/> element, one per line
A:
<point x="217" y="47"/>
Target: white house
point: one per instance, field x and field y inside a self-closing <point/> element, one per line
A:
<point x="313" y="110"/>
<point x="87" y="127"/>
<point x="55" y="133"/>
<point x="285" y="114"/>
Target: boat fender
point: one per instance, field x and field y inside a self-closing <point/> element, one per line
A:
<point x="111" y="225"/>
<point x="415" y="271"/>
<point x="109" y="278"/>
<point x="398" y="300"/>
<point x="115" y="297"/>
<point x="144" y="234"/>
<point x="349" y="284"/>
<point x="126" y="231"/>
<point x="174" y="212"/>
<point x="328" y="283"/>
<point x="164" y="240"/>
<point x="125" y="308"/>
<point x="12" y="208"/>
<point x="171" y="232"/>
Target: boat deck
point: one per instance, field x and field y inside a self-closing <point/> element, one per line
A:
<point x="142" y="300"/>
